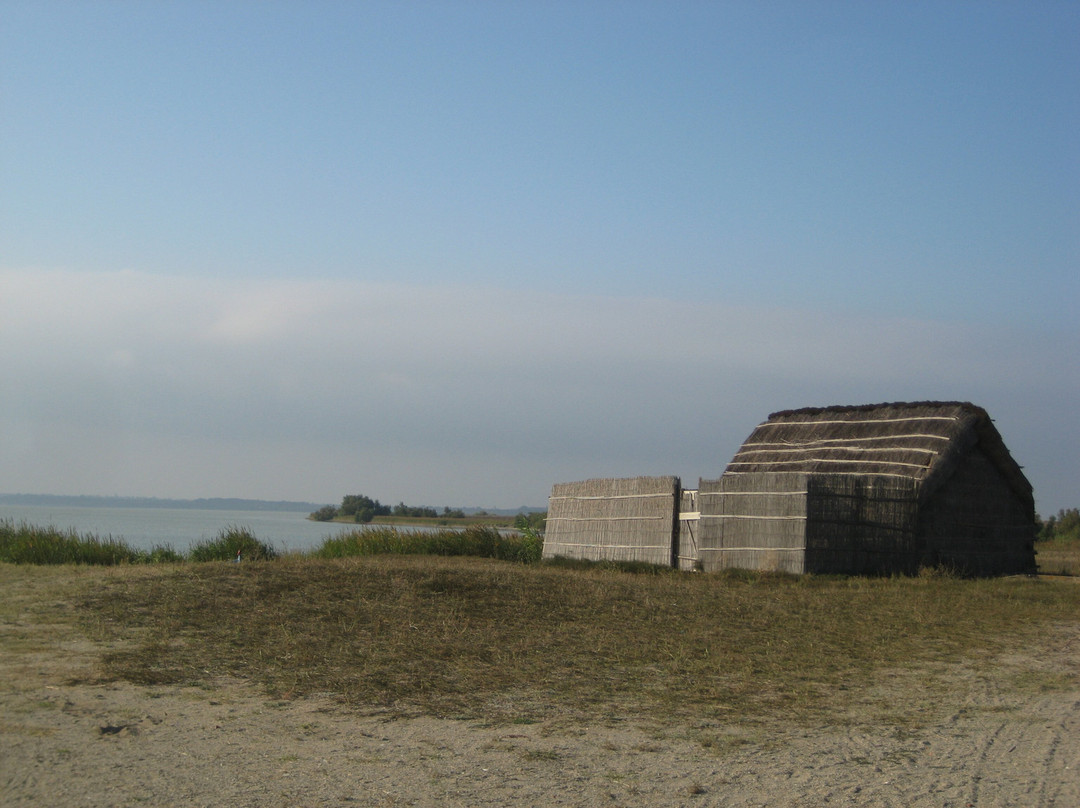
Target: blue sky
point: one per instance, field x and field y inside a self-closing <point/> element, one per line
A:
<point x="450" y="253"/>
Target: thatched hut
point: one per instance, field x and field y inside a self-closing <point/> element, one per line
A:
<point x="631" y="519"/>
<point x="871" y="489"/>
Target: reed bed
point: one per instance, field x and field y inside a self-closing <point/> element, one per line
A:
<point x="482" y="541"/>
<point x="28" y="544"/>
<point x="22" y="543"/>
<point x="233" y="543"/>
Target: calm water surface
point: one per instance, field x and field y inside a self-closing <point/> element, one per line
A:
<point x="145" y="528"/>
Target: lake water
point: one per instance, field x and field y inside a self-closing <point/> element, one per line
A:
<point x="145" y="528"/>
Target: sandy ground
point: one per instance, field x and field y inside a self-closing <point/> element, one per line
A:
<point x="1006" y="734"/>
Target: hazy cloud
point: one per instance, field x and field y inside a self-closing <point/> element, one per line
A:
<point x="128" y="383"/>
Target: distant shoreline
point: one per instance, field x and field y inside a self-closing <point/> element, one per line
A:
<point x="205" y="504"/>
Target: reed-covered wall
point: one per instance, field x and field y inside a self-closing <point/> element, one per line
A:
<point x="631" y="519"/>
<point x="862" y="524"/>
<point x="753" y="521"/>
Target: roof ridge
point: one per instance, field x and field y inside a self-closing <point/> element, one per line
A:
<point x="839" y="408"/>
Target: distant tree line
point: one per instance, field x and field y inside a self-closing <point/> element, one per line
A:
<point x="363" y="509"/>
<point x="211" y="504"/>
<point x="1064" y="526"/>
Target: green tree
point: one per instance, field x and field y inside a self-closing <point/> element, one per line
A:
<point x="532" y="521"/>
<point x="1064" y="526"/>
<point x="355" y="505"/>
<point x="325" y="513"/>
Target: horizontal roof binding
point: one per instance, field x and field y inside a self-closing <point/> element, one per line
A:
<point x="920" y="440"/>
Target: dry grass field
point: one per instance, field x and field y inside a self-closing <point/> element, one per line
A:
<point x="393" y="680"/>
<point x="1058" y="557"/>
<point x="479" y="639"/>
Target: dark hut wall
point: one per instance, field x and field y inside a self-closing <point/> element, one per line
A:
<point x="632" y="519"/>
<point x="753" y="521"/>
<point x="862" y="524"/>
<point x="975" y="521"/>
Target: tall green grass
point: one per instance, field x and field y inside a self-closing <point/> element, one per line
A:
<point x="22" y="543"/>
<point x="234" y="543"/>
<point x="476" y="540"/>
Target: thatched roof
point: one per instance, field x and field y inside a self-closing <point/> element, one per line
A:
<point x="923" y="441"/>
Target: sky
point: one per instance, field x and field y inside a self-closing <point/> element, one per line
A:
<point x="451" y="253"/>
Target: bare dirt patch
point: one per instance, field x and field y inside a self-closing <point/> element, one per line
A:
<point x="1004" y="730"/>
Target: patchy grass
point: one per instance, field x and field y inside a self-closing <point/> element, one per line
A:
<point x="477" y="638"/>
